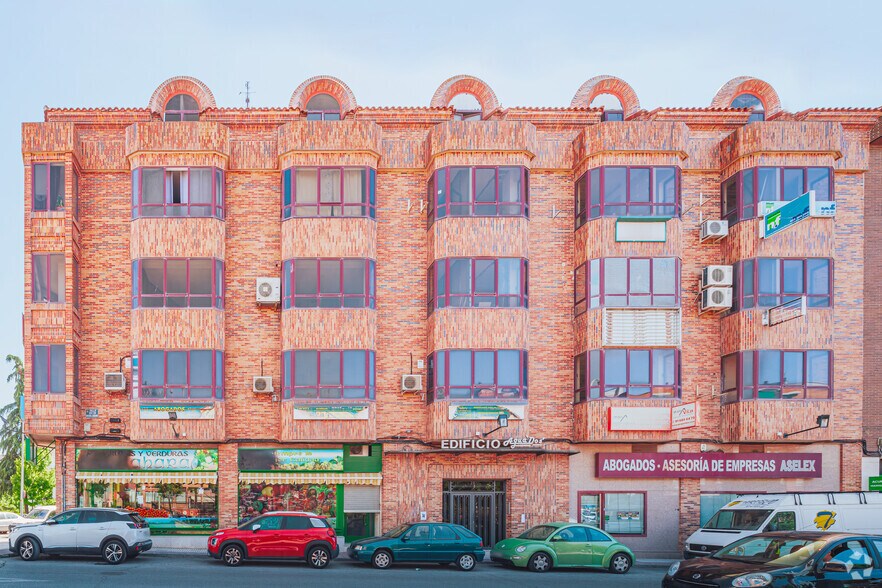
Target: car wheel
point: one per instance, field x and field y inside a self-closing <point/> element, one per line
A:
<point x="620" y="563"/>
<point x="318" y="557"/>
<point x="382" y="559"/>
<point x="540" y="562"/>
<point x="466" y="562"/>
<point x="232" y="555"/>
<point x="28" y="549"/>
<point x="114" y="552"/>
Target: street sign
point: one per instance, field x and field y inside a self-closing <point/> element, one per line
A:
<point x="875" y="483"/>
<point x="788" y="215"/>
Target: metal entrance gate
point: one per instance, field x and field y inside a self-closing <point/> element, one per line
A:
<point x="478" y="505"/>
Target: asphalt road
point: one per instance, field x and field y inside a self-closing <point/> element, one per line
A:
<point x="196" y="570"/>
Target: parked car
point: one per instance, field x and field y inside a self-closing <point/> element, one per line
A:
<point x="113" y="534"/>
<point x="9" y="519"/>
<point x="277" y="535"/>
<point x="39" y="514"/>
<point x="563" y="545"/>
<point x="785" y="560"/>
<point x="442" y="543"/>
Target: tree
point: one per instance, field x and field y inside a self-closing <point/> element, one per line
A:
<point x="10" y="429"/>
<point x="39" y="484"/>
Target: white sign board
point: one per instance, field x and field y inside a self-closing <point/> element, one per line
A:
<point x="639" y="418"/>
<point x="684" y="416"/>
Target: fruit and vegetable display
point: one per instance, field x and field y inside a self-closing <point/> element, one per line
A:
<point x="256" y="499"/>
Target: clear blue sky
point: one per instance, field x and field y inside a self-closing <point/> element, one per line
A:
<point x="115" y="53"/>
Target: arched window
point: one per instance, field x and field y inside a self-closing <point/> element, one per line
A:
<point x="322" y="107"/>
<point x="181" y="107"/>
<point x="466" y="107"/>
<point x="752" y="102"/>
<point x="612" y="107"/>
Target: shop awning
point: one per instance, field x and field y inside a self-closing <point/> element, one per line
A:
<point x="149" y="477"/>
<point x="365" y="479"/>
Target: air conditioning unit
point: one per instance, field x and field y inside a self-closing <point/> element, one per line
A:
<point x="262" y="385"/>
<point x="716" y="299"/>
<point x="716" y="275"/>
<point x="114" y="381"/>
<point x="714" y="230"/>
<point x="360" y="450"/>
<point x="269" y="290"/>
<point x="411" y="383"/>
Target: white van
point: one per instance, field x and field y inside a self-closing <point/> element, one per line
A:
<point x="844" y="512"/>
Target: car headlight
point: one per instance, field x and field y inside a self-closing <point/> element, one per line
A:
<point x="359" y="547"/>
<point x="521" y="548"/>
<point x="673" y="569"/>
<point x="750" y="580"/>
<point x="218" y="534"/>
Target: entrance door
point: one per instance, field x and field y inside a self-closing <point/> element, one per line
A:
<point x="478" y="505"/>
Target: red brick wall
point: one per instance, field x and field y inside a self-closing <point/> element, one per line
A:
<point x="872" y="385"/>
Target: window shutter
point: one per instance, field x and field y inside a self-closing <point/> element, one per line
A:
<point x="641" y="328"/>
<point x="361" y="498"/>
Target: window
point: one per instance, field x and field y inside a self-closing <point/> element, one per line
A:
<point x="329" y="192"/>
<point x="772" y="374"/>
<point x="782" y="521"/>
<point x="443" y="533"/>
<point x="49" y="365"/>
<point x="70" y="517"/>
<point x="328" y="375"/>
<point x="76" y="195"/>
<point x="196" y="374"/>
<point x="47" y="277"/>
<point x="612" y="116"/>
<point x="767" y="282"/>
<point x="631" y="373"/>
<point x="627" y="191"/>
<point x="466" y="107"/>
<point x="177" y="283"/>
<point x="572" y="535"/>
<point x="742" y="193"/>
<point x="710" y="503"/>
<point x="464" y="374"/>
<point x="181" y="107"/>
<point x="48" y="188"/>
<point x="322" y="107"/>
<point x="627" y="283"/>
<point x="478" y="191"/>
<point x="76" y="283"/>
<point x="752" y="102"/>
<point x="76" y="371"/>
<point x="619" y="513"/>
<point x="328" y="283"/>
<point x="478" y="283"/>
<point x="177" y="192"/>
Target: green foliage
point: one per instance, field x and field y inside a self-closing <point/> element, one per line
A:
<point x="10" y="429"/>
<point x="169" y="491"/>
<point x="39" y="484"/>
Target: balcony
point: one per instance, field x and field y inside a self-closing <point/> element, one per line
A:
<point x="514" y="142"/>
<point x="478" y="328"/>
<point x="196" y="421"/>
<point x="345" y="420"/>
<point x="178" y="237"/>
<point x="149" y="141"/>
<point x="310" y="143"/>
<point x="329" y="237"/>
<point x="329" y="328"/>
<point x="784" y="138"/>
<point x="745" y="331"/>
<point x="463" y="420"/>
<point x="177" y="328"/>
<point x="591" y="420"/>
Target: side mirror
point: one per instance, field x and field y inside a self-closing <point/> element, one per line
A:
<point x="833" y="566"/>
<point x="404" y="539"/>
<point x="255" y="528"/>
<point x="51" y="522"/>
<point x="556" y="538"/>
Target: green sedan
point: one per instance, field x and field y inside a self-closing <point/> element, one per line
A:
<point x="563" y="545"/>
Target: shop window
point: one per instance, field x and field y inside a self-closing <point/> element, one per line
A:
<point x="711" y="503"/>
<point x="181" y="107"/>
<point x="478" y="191"/>
<point x="259" y="498"/>
<point x="196" y="374"/>
<point x="328" y="283"/>
<point x="478" y="283"/>
<point x="627" y="192"/>
<point x="772" y="374"/>
<point x="49" y="369"/>
<point x="177" y="192"/>
<point x="48" y="186"/>
<point x="622" y="282"/>
<point x="328" y="375"/>
<point x="47" y="278"/>
<point x="322" y="107"/>
<point x="618" y="513"/>
<point x="743" y="193"/>
<point x="765" y="282"/>
<point x="627" y="373"/>
<point x="329" y="192"/>
<point x="177" y="283"/>
<point x="464" y="374"/>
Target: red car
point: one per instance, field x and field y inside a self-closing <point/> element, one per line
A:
<point x="277" y="535"/>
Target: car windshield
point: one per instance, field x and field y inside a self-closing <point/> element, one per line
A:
<point x="397" y="531"/>
<point x="538" y="533"/>
<point x="779" y="552"/>
<point x="738" y="520"/>
<point x="36" y="514"/>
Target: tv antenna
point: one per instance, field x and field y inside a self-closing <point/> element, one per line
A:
<point x="248" y="92"/>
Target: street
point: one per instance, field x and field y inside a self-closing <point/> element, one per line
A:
<point x="195" y="570"/>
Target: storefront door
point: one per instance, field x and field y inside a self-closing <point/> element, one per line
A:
<point x="478" y="505"/>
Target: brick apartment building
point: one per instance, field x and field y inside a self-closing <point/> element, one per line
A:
<point x="328" y="307"/>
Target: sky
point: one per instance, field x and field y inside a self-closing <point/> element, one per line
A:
<point x="115" y="53"/>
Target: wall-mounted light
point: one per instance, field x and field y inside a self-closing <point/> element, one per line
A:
<point x="502" y="421"/>
<point x="823" y="421"/>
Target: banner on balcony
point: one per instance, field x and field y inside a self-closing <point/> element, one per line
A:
<point x="182" y="412"/>
<point x="162" y="460"/>
<point x="485" y="412"/>
<point x="331" y="413"/>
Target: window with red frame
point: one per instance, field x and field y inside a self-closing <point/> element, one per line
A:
<point x="194" y="374"/>
<point x="177" y="192"/>
<point x="741" y="194"/>
<point x="322" y="107"/>
<point x="466" y="374"/>
<point x="329" y="192"/>
<point x="47" y="277"/>
<point x="478" y="191"/>
<point x="768" y="281"/>
<point x="311" y="374"/>
<point x="627" y="191"/>
<point x="478" y="283"/>
<point x="76" y="371"/>
<point x="626" y="373"/>
<point x="772" y="374"/>
<point x="328" y="283"/>
<point x="181" y="107"/>
<point x="177" y="283"/>
<point x="48" y="186"/>
<point x="76" y="283"/>
<point x="49" y="369"/>
<point x="618" y="513"/>
<point x="623" y="282"/>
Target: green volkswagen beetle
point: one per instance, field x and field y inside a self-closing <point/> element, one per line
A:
<point x="563" y="545"/>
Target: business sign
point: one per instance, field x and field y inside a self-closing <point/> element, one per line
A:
<point x="331" y="413"/>
<point x="875" y="483"/>
<point x="91" y="413"/>
<point x="652" y="418"/>
<point x="159" y="460"/>
<point x="183" y="412"/>
<point x="709" y="465"/>
<point x="684" y="416"/>
<point x="777" y="216"/>
<point x="641" y="231"/>
<point x="484" y="412"/>
<point x="824" y="209"/>
<point x="291" y="460"/>
<point x="492" y="444"/>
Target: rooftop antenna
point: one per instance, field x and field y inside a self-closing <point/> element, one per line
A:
<point x="248" y="92"/>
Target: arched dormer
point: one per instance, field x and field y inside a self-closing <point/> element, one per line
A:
<point x="612" y="85"/>
<point x="463" y="84"/>
<point x="737" y="91"/>
<point x="318" y="90"/>
<point x="177" y="87"/>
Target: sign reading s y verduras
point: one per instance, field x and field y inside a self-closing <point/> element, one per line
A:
<point x="708" y="465"/>
<point x="159" y="460"/>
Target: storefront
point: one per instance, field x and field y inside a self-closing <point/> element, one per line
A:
<point x="175" y="490"/>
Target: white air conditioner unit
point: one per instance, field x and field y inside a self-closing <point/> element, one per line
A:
<point x="262" y="384"/>
<point x="269" y="290"/>
<point x="411" y="383"/>
<point x="716" y="275"/>
<point x="114" y="381"/>
<point x="714" y="230"/>
<point x="360" y="450"/>
<point x="716" y="299"/>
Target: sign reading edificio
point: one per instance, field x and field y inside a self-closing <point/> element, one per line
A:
<point x="491" y="444"/>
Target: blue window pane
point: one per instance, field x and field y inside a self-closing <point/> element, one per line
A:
<point x="747" y="368"/>
<point x="219" y="373"/>
<point x="793" y="183"/>
<point x="484" y="368"/>
<point x="460" y="368"/>
<point x="200" y="368"/>
<point x="305" y="368"/>
<point x="441" y="368"/>
<point x="41" y="368"/>
<point x="793" y="368"/>
<point x="769" y="184"/>
<point x="663" y="367"/>
<point x="819" y="181"/>
<point x="330" y="368"/>
<point x="508" y="367"/>
<point x="353" y="368"/>
<point x="177" y="367"/>
<point x="286" y="187"/>
<point x="152" y="368"/>
<point x="769" y="367"/>
<point x="615" y="367"/>
<point x="509" y="276"/>
<point x="769" y="276"/>
<point x="665" y="185"/>
<point x="818" y="276"/>
<point x="793" y="278"/>
<point x="614" y="184"/>
<point x="639" y="367"/>
<point x="818" y="368"/>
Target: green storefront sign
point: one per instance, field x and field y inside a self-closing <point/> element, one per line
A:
<point x="876" y="484"/>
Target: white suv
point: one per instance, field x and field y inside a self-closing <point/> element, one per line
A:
<point x="111" y="533"/>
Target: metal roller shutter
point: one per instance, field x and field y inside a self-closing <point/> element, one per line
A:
<point x="361" y="498"/>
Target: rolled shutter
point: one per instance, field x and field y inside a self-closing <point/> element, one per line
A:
<point x="361" y="498"/>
